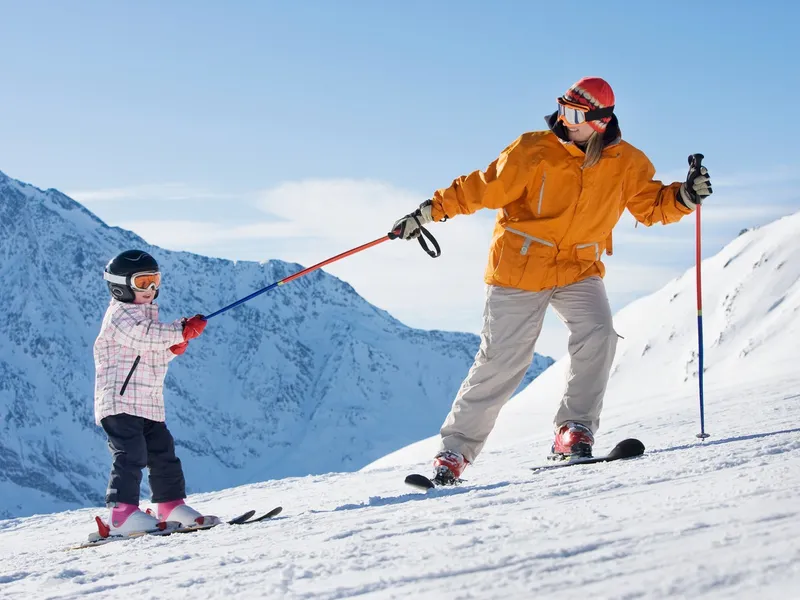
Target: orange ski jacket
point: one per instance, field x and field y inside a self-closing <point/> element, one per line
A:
<point x="555" y="218"/>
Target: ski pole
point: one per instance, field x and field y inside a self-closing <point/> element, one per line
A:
<point x="389" y="236"/>
<point x="695" y="162"/>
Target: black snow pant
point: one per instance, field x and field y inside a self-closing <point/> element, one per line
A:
<point x="136" y="443"/>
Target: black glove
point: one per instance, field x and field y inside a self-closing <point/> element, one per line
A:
<point x="408" y="227"/>
<point x="696" y="188"/>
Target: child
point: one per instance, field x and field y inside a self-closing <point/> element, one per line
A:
<point x="131" y="356"/>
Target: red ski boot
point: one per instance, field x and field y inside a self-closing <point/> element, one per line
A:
<point x="573" y="440"/>
<point x="447" y="467"/>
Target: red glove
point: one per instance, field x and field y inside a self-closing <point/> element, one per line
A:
<point x="179" y="348"/>
<point x="193" y="327"/>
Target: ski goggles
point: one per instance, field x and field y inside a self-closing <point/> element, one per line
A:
<point x="141" y="282"/>
<point x="575" y="114"/>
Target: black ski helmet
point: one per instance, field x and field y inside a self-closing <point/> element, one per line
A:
<point x="123" y="265"/>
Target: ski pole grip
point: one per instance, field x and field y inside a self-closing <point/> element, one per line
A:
<point x="696" y="161"/>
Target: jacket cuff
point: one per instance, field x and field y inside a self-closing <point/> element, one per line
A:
<point x="437" y="211"/>
<point x="178" y="325"/>
<point x="685" y="198"/>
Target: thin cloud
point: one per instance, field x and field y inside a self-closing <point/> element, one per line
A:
<point x="776" y="176"/>
<point x="336" y="208"/>
<point x="173" y="192"/>
<point x="624" y="236"/>
<point x="753" y="213"/>
<point x="182" y="233"/>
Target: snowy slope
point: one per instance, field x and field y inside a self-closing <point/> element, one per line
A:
<point x="307" y="379"/>
<point x="718" y="519"/>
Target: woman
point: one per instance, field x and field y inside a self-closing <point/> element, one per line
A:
<point x="558" y="193"/>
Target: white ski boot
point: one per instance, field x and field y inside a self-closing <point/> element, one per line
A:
<point x="178" y="512"/>
<point x="126" y="520"/>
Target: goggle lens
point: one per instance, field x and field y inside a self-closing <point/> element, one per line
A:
<point x="146" y="281"/>
<point x="572" y="115"/>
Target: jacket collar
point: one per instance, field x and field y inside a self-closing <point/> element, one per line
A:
<point x="150" y="310"/>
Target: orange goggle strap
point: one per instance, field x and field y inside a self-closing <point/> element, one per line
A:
<point x="594" y="114"/>
<point x="138" y="281"/>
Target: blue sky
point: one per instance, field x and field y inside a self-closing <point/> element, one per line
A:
<point x="257" y="130"/>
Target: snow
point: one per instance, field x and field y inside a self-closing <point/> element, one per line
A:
<point x="690" y="519"/>
<point x="718" y="519"/>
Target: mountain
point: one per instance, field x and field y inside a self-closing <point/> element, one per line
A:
<point x="689" y="519"/>
<point x="309" y="378"/>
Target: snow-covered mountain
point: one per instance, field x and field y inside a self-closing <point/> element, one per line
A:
<point x="307" y="379"/>
<point x="690" y="519"/>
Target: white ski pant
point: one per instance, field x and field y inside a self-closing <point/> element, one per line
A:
<point x="512" y="321"/>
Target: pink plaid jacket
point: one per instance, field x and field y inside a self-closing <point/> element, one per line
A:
<point x="131" y="356"/>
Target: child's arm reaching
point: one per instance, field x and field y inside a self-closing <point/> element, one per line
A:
<point x="131" y="330"/>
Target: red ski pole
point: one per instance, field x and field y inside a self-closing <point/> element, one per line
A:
<point x="285" y="280"/>
<point x="298" y="275"/>
<point x="695" y="161"/>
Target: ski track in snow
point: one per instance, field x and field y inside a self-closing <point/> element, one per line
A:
<point x="718" y="519"/>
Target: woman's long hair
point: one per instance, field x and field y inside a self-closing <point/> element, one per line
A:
<point x="594" y="150"/>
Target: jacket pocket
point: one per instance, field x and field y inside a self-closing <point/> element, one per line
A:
<point x="130" y="374"/>
<point x="588" y="254"/>
<point x="512" y="255"/>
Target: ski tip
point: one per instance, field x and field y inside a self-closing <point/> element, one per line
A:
<point x="242" y="518"/>
<point x="268" y="515"/>
<point x="419" y="481"/>
<point x="628" y="448"/>
<point x="248" y="515"/>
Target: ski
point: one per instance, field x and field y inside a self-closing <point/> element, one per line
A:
<point x="629" y="448"/>
<point x="421" y="482"/>
<point x="95" y="539"/>
<point x="240" y="520"/>
<point x="170" y="527"/>
<point x="268" y="515"/>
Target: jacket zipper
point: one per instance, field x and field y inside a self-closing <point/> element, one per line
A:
<point x="541" y="198"/>
<point x="541" y="195"/>
<point x="130" y="374"/>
